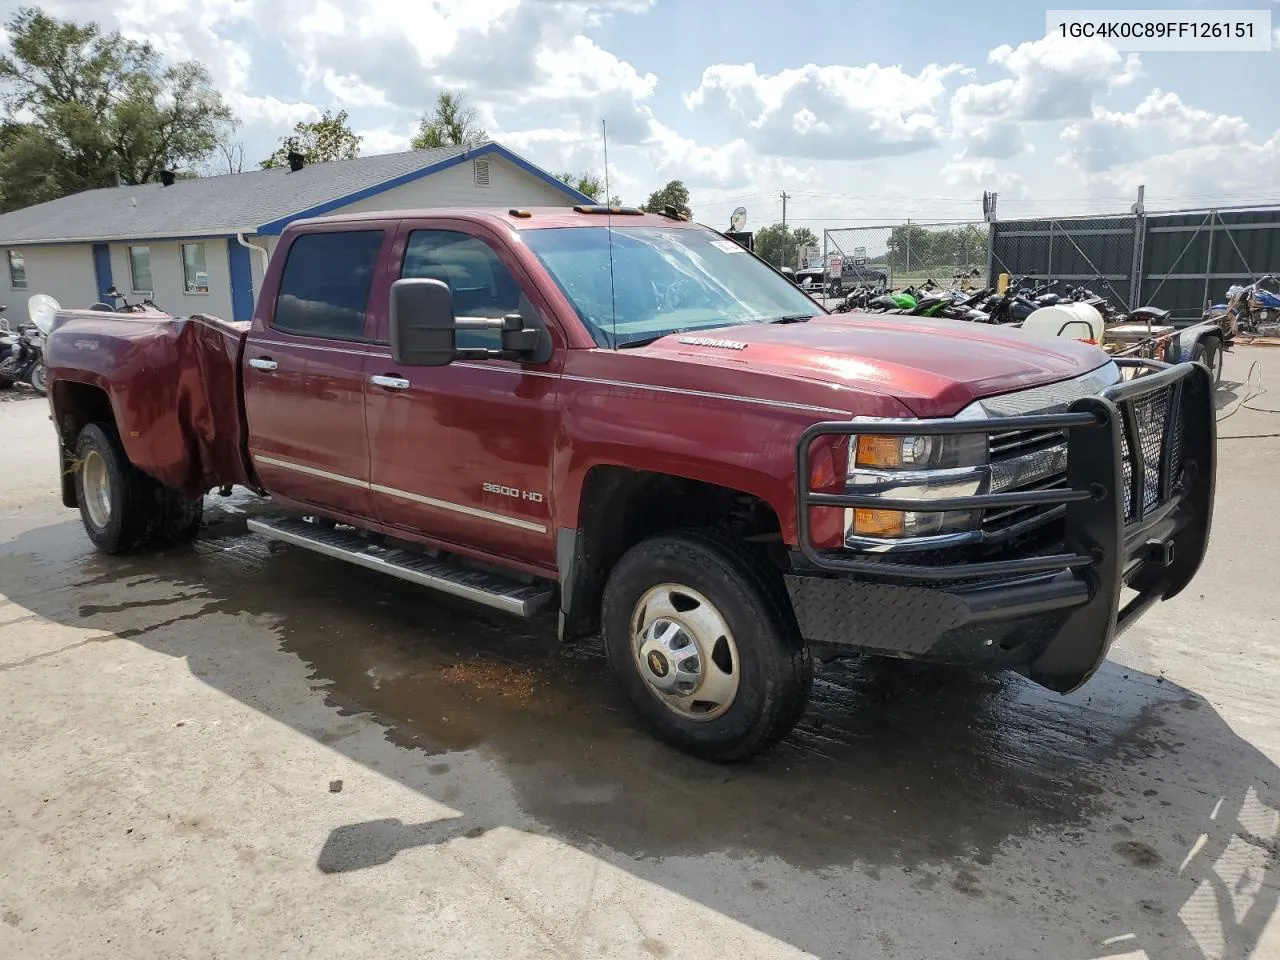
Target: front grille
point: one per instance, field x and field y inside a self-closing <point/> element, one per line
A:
<point x="1150" y="418"/>
<point x="1037" y="460"/>
<point x="1024" y="460"/>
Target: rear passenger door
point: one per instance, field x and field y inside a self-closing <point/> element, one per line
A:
<point x="462" y="453"/>
<point x="304" y="374"/>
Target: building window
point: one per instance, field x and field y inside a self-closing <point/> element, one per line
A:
<point x="194" y="277"/>
<point x="140" y="269"/>
<point x="482" y="172"/>
<point x="17" y="271"/>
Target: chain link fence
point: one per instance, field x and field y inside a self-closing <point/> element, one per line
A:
<point x="906" y="254"/>
<point x="1180" y="261"/>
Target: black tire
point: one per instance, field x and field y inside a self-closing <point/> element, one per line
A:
<point x="142" y="513"/>
<point x="775" y="669"/>
<point x="6" y="383"/>
<point x="1209" y="352"/>
<point x="37" y="379"/>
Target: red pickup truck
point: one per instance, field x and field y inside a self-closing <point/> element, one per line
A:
<point x="633" y="420"/>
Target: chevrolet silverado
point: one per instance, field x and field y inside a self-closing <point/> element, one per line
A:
<point x="633" y="421"/>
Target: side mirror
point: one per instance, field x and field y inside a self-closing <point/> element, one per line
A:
<point x="424" y="329"/>
<point x="422" y="323"/>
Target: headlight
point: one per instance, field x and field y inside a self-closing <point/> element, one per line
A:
<point x="920" y="468"/>
<point x="915" y="453"/>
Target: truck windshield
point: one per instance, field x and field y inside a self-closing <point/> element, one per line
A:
<point x="664" y="280"/>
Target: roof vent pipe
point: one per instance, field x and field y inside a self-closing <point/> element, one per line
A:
<point x="167" y="177"/>
<point x="296" y="160"/>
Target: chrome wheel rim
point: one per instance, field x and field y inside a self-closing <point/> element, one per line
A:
<point x="685" y="652"/>
<point x="37" y="378"/>
<point x="95" y="479"/>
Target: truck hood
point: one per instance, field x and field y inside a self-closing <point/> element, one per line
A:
<point x="933" y="367"/>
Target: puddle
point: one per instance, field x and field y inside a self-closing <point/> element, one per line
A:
<point x="894" y="761"/>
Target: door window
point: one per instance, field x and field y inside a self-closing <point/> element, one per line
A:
<point x="324" y="289"/>
<point x="482" y="285"/>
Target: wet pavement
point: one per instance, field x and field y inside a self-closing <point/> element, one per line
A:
<point x="487" y="777"/>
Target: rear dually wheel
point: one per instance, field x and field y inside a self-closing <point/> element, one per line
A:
<point x="121" y="507"/>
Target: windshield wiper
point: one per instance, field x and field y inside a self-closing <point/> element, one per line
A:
<point x="792" y="318"/>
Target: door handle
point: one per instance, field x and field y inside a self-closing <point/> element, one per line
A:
<point x="390" y="382"/>
<point x="262" y="363"/>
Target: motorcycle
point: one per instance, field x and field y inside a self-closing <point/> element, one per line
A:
<point x="7" y="342"/>
<point x="25" y="360"/>
<point x="1252" y="308"/>
<point x="146" y="305"/>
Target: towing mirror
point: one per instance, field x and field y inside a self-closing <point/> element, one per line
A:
<point x="423" y="328"/>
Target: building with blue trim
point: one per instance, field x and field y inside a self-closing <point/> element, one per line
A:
<point x="201" y="245"/>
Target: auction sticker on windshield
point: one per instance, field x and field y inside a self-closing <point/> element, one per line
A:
<point x="729" y="246"/>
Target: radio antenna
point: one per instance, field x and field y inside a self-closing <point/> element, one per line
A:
<point x="608" y="222"/>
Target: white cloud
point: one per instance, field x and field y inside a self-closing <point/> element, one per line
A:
<point x="1161" y="122"/>
<point x="349" y="91"/>
<point x="1185" y="123"/>
<point x="383" y="140"/>
<point x="984" y="174"/>
<point x="827" y="111"/>
<point x="675" y="156"/>
<point x="1204" y="171"/>
<point x="1051" y="79"/>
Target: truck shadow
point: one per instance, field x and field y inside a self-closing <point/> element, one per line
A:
<point x="1131" y="807"/>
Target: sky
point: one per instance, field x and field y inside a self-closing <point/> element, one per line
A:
<point x="862" y="112"/>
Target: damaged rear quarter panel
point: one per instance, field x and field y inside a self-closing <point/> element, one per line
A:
<point x="173" y="385"/>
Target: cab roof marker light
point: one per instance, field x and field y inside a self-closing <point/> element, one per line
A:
<point x="522" y="214"/>
<point x="604" y="208"/>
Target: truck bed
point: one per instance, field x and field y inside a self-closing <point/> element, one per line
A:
<point x="172" y="385"/>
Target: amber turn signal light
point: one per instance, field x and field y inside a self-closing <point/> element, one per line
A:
<point x="879" y="523"/>
<point x="883" y="452"/>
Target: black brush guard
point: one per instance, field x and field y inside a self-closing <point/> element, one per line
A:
<point x="1139" y="503"/>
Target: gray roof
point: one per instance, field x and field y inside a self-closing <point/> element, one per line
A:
<point x="222" y="204"/>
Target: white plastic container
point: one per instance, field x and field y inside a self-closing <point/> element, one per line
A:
<point x="1072" y="321"/>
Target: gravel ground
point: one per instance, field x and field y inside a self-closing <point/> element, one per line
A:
<point x="229" y="751"/>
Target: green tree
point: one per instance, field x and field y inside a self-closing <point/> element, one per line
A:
<point x="674" y="194"/>
<point x="103" y="110"/>
<point x="319" y="141"/>
<point x="915" y="250"/>
<point x="452" y="124"/>
<point x="588" y="183"/>
<point x="780" y="245"/>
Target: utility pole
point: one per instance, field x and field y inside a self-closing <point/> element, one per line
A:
<point x="785" y="197"/>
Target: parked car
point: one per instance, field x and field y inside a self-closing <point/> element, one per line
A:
<point x="652" y="432"/>
<point x="850" y="277"/>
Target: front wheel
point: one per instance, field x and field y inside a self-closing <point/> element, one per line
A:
<point x="37" y="378"/>
<point x="121" y="507"/>
<point x="701" y="637"/>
